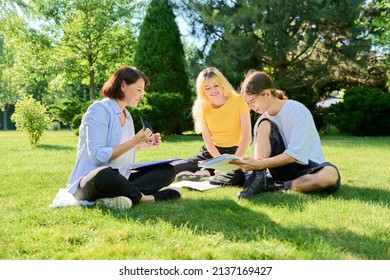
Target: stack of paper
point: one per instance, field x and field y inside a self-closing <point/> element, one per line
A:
<point x="199" y="186"/>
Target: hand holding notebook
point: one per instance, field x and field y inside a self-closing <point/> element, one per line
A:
<point x="220" y="163"/>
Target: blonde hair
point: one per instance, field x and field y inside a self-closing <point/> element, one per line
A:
<point x="202" y="101"/>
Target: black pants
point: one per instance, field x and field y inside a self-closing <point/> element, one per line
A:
<point x="231" y="178"/>
<point x="108" y="182"/>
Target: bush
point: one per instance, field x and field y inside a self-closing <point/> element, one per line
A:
<point x="164" y="111"/>
<point x="66" y="110"/>
<point x="31" y="116"/>
<point x="364" y="112"/>
<point x="54" y="126"/>
<point x="70" y="111"/>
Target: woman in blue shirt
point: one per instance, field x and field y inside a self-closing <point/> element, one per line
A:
<point x="107" y="146"/>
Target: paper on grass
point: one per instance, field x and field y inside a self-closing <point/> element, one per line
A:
<point x="220" y="163"/>
<point x="199" y="186"/>
<point x="64" y="198"/>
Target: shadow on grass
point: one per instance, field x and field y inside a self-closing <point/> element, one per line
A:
<point x="239" y="223"/>
<point x="55" y="147"/>
<point x="369" y="195"/>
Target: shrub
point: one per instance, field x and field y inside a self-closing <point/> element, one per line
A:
<point x="66" y="110"/>
<point x="70" y="112"/>
<point x="55" y="125"/>
<point x="164" y="111"/>
<point x="31" y="116"/>
<point x="363" y="112"/>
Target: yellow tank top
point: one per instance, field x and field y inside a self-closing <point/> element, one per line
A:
<point x="224" y="122"/>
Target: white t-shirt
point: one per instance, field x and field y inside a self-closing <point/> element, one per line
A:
<point x="298" y="130"/>
<point x="123" y="162"/>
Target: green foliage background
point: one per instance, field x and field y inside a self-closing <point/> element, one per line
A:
<point x="159" y="53"/>
<point x="363" y="112"/>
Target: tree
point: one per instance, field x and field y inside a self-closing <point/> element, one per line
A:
<point x="11" y="6"/>
<point x="303" y="45"/>
<point x="12" y="49"/>
<point x="159" y="51"/>
<point x="381" y="24"/>
<point x="91" y="37"/>
<point x="378" y="23"/>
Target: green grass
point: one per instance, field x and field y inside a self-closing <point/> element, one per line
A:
<point x="352" y="224"/>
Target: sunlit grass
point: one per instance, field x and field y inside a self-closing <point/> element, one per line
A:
<point x="352" y="224"/>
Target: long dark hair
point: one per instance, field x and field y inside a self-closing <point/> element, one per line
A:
<point x="256" y="82"/>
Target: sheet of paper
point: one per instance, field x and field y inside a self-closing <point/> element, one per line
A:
<point x="200" y="186"/>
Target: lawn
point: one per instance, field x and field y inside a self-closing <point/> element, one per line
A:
<point x="353" y="224"/>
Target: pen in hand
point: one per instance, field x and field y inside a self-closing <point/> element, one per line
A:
<point x="145" y="125"/>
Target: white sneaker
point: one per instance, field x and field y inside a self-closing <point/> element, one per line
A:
<point x="118" y="202"/>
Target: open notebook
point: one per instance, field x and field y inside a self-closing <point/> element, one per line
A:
<point x="220" y="163"/>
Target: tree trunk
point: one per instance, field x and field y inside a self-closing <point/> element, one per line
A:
<point x="91" y="83"/>
<point x="5" y="117"/>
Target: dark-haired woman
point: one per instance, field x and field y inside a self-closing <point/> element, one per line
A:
<point x="107" y="146"/>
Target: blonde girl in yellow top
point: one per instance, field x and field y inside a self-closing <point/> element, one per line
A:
<point x="221" y="115"/>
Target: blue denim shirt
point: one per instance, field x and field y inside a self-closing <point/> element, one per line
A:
<point x="100" y="131"/>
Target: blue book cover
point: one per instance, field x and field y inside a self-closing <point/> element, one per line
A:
<point x="140" y="165"/>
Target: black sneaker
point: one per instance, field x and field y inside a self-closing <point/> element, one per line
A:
<point x="167" y="193"/>
<point x="255" y="184"/>
<point x="236" y="178"/>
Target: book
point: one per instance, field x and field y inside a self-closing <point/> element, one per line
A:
<point x="140" y="165"/>
<point x="220" y="163"/>
<point x="199" y="186"/>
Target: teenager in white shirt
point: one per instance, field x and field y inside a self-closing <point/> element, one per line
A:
<point x="107" y="146"/>
<point x="286" y="142"/>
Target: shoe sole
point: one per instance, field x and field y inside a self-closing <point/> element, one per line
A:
<point x="167" y="194"/>
<point x="119" y="202"/>
<point x="193" y="178"/>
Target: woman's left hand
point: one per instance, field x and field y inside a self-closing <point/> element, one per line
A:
<point x="156" y="140"/>
<point x="153" y="143"/>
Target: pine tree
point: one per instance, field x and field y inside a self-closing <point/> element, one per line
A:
<point x="159" y="51"/>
